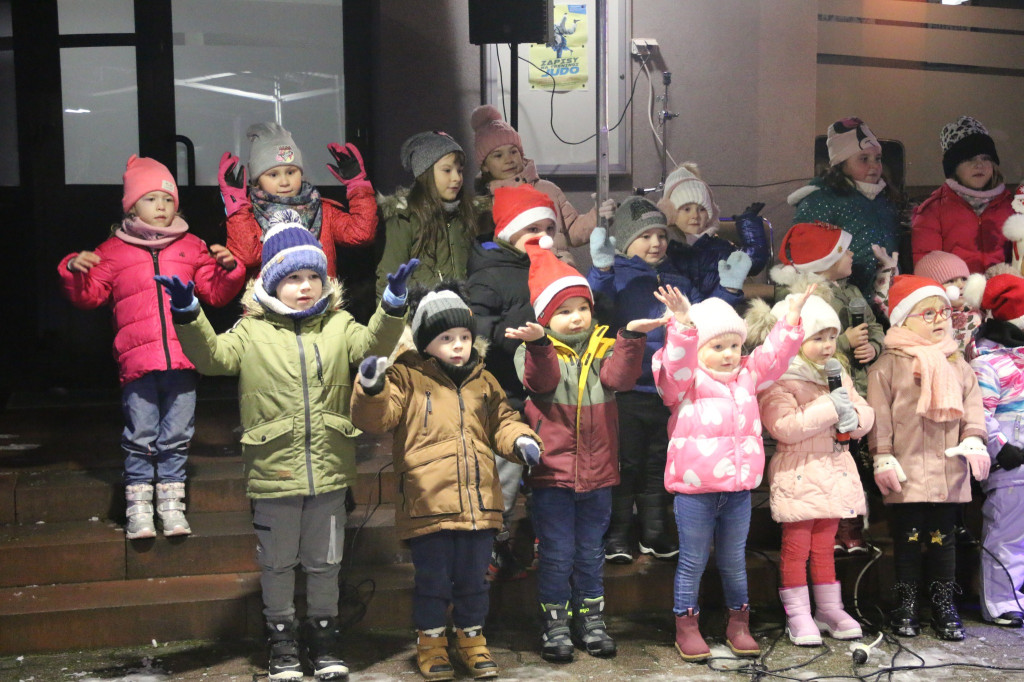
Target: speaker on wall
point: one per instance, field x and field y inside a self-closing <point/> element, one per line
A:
<point x="509" y="21"/>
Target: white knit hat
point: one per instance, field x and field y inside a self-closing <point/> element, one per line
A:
<point x="816" y="315"/>
<point x="713" y="317"/>
<point x="684" y="186"/>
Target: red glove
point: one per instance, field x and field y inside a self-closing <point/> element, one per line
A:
<point x="232" y="178"/>
<point x="348" y="166"/>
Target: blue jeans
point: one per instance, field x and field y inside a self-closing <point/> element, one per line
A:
<point x="451" y="568"/>
<point x="159" y="419"/>
<point x="571" y="528"/>
<point x="724" y="517"/>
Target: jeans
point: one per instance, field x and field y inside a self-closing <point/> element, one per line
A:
<point x="451" y="568"/>
<point x="571" y="528"/>
<point x="159" y="411"/>
<point x="643" y="443"/>
<point x="724" y="517"/>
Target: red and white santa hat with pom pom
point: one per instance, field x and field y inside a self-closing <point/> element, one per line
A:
<point x="552" y="282"/>
<point x="1002" y="296"/>
<point x="909" y="290"/>
<point x="516" y="208"/>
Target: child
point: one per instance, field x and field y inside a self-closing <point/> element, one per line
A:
<point x="449" y="416"/>
<point x="715" y="453"/>
<point x="927" y="404"/>
<point x="571" y="371"/>
<point x="158" y="382"/>
<point x="965" y="215"/>
<point x="998" y="366"/>
<point x="952" y="272"/>
<point x="628" y="268"/>
<point x="503" y="163"/>
<point x="294" y="352"/>
<point x="689" y="205"/>
<point x="814" y="480"/>
<point x="435" y="223"/>
<point x="853" y="195"/>
<point x="276" y="172"/>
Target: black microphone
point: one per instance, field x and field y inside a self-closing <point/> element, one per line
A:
<point x="857" y="307"/>
<point x="834" y="376"/>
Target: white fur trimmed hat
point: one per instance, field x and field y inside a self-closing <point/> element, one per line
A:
<point x="909" y="290"/>
<point x="516" y="208"/>
<point x="713" y="317"/>
<point x="1002" y="296"/>
<point x="816" y="315"/>
<point x="813" y="247"/>
<point x="551" y="281"/>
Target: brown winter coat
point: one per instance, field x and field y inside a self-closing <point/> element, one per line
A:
<point x="445" y="438"/>
<point x="917" y="442"/>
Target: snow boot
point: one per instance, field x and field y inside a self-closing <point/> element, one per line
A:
<point x="829" y="615"/>
<point x="588" y="629"/>
<point x="800" y="627"/>
<point x="850" y="537"/>
<point x="432" y="656"/>
<point x="617" y="548"/>
<point x="140" y="511"/>
<point x="656" y="533"/>
<point x="322" y="639"/>
<point x="284" y="661"/>
<point x="472" y="652"/>
<point x="556" y="642"/>
<point x="945" y="618"/>
<point x="737" y="633"/>
<point x="903" y="619"/>
<point x="170" y="507"/>
<point x="690" y="645"/>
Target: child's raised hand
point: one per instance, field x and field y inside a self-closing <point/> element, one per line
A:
<point x="371" y="374"/>
<point x="885" y="261"/>
<point x="602" y="248"/>
<point x="181" y="293"/>
<point x="646" y="326"/>
<point x="84" y="262"/>
<point x="224" y="258"/>
<point x="676" y="303"/>
<point x="397" y="289"/>
<point x="531" y="331"/>
<point x="733" y="270"/>
<point x="796" y="304"/>
<point x="232" y="177"/>
<point x="348" y="167"/>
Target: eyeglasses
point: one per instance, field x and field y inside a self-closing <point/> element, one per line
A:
<point x="931" y="315"/>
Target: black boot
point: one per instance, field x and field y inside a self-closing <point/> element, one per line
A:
<point x="656" y="536"/>
<point x="617" y="549"/>
<point x="284" y="650"/>
<point x="903" y="619"/>
<point x="323" y="646"/>
<point x="945" y="618"/>
<point x="589" y="631"/>
<point x="556" y="644"/>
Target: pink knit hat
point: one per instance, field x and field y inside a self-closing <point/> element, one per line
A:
<point x="713" y="317"/>
<point x="941" y="267"/>
<point x="143" y="175"/>
<point x="492" y="132"/>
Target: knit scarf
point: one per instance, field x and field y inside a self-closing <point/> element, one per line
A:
<point x="978" y="199"/>
<point x="941" y="397"/>
<point x="870" y="190"/>
<point x="578" y="341"/>
<point x="307" y="203"/>
<point x="134" y="231"/>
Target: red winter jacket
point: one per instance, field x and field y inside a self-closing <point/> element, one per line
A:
<point x="355" y="227"/>
<point x="945" y="222"/>
<point x="144" y="338"/>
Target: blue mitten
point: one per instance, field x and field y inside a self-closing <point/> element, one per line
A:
<point x="371" y="374"/>
<point x="602" y="248"/>
<point x="182" y="294"/>
<point x="529" y="450"/>
<point x="397" y="288"/>
<point x="733" y="270"/>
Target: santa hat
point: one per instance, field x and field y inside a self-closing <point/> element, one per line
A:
<point x="811" y="247"/>
<point x="909" y="290"/>
<point x="516" y="208"/>
<point x="713" y="317"/>
<point x="492" y="132"/>
<point x="848" y="137"/>
<point x="143" y="175"/>
<point x="942" y="267"/>
<point x="816" y="315"/>
<point x="552" y="282"/>
<point x="1002" y="296"/>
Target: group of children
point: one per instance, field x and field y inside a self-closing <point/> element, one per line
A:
<point x="662" y="407"/>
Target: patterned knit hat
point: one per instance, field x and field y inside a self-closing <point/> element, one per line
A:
<point x="289" y="247"/>
<point x="713" y="317"/>
<point x="270" y="146"/>
<point x="1002" y="296"/>
<point x="438" y="311"/>
<point x="847" y="137"/>
<point x="816" y="315"/>
<point x="941" y="267"/>
<point x="909" y="290"/>
<point x="143" y="175"/>
<point x="552" y="282"/>
<point x="421" y="151"/>
<point x="516" y="208"/>
<point x="964" y="139"/>
<point x="492" y="132"/>
<point x="813" y="247"/>
<point x="634" y="216"/>
<point x="684" y="186"/>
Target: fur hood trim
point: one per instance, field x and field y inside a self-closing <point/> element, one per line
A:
<point x="801" y="194"/>
<point x="759" y="321"/>
<point x="253" y="308"/>
<point x="391" y="205"/>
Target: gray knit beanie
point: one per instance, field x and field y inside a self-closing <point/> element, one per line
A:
<point x="439" y="311"/>
<point x="421" y="151"/>
<point x="271" y="145"/>
<point x="634" y="216"/>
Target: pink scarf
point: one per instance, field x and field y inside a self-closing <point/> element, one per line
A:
<point x="136" y="232"/>
<point x="941" y="391"/>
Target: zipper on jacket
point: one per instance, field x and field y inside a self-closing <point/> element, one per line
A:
<point x="160" y="307"/>
<point x="319" y="365"/>
<point x="1016" y="429"/>
<point x="308" y="437"/>
<point x="465" y="450"/>
<point x="430" y="409"/>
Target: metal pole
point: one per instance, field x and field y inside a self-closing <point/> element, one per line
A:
<point x="601" y="92"/>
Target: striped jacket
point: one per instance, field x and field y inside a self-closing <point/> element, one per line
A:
<point x="1000" y="371"/>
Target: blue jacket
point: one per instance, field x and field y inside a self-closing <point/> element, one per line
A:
<point x="630" y="285"/>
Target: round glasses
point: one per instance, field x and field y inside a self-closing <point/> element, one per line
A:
<point x="933" y="314"/>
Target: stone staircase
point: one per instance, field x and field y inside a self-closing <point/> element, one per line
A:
<point x="70" y="580"/>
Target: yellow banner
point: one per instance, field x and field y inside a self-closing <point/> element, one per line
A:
<point x="565" y="59"/>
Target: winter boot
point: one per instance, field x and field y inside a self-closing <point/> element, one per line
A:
<point x="323" y="647"/>
<point x="829" y="615"/>
<point x="589" y="631"/>
<point x="945" y="618"/>
<point x="140" y="511"/>
<point x="556" y="643"/>
<point x="903" y="619"/>
<point x="800" y="627"/>
<point x="737" y="633"/>
<point x="690" y="645"/>
<point x="284" y="651"/>
<point x="617" y="548"/>
<point x="656" y="536"/>
<point x="850" y="537"/>
<point x="170" y="507"/>
<point x="432" y="656"/>
<point x="504" y="566"/>
<point x="471" y="649"/>
<point x="1010" y="619"/>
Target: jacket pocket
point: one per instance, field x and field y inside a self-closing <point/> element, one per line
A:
<point x="489" y="495"/>
<point x="267" y="449"/>
<point x="430" y="483"/>
<point x="340" y="425"/>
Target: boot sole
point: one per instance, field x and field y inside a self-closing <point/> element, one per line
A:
<point x="693" y="658"/>
<point x="558" y="658"/>
<point x="619" y="558"/>
<point x="839" y="634"/>
<point x="745" y="653"/>
<point x="144" y="535"/>
<point x="659" y="555"/>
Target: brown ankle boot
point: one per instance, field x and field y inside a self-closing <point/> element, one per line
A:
<point x="690" y="645"/>
<point x="432" y="657"/>
<point x="474" y="654"/>
<point x="737" y="633"/>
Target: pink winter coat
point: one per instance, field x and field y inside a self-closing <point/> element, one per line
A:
<point x="144" y="338"/>
<point x="809" y="478"/>
<point x="715" y="430"/>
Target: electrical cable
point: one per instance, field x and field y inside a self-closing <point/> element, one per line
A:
<point x="501" y="82"/>
<point x="650" y="109"/>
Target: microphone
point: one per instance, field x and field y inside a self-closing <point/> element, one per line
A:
<point x="862" y="651"/>
<point x="834" y="376"/>
<point x="857" y="306"/>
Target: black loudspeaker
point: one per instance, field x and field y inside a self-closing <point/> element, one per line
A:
<point x="509" y="21"/>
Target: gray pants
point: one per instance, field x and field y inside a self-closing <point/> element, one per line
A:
<point x="300" y="530"/>
<point x="509" y="474"/>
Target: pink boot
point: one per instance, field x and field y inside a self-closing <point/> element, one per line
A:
<point x="737" y="633"/>
<point x="829" y="615"/>
<point x="689" y="643"/>
<point x="799" y="625"/>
